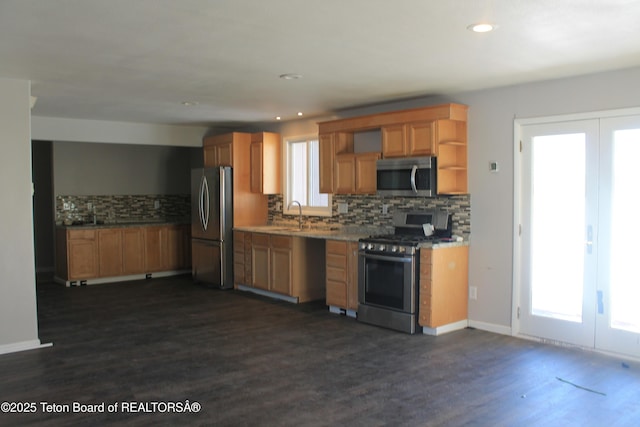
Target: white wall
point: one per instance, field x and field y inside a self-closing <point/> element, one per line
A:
<point x="18" y="316"/>
<point x="78" y="130"/>
<point x="491" y="117"/>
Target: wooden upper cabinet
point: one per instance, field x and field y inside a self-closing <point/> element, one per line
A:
<point x="266" y="168"/>
<point x="332" y="144"/>
<point x="355" y="173"/>
<point x="408" y="139"/>
<point x="451" y="145"/>
<point x="345" y="174"/>
<point x="218" y="150"/>
<point x="327" y="159"/>
<point x="394" y="141"/>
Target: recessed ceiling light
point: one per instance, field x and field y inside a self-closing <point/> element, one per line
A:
<point x="189" y="103"/>
<point x="290" y="76"/>
<point x="278" y="118"/>
<point x="299" y="113"/>
<point x="481" y="28"/>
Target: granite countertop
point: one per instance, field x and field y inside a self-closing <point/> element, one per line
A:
<point x="125" y="223"/>
<point x="347" y="234"/>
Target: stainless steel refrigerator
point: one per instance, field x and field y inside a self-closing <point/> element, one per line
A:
<point x="212" y="226"/>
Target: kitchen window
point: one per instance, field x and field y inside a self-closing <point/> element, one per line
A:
<point x="302" y="175"/>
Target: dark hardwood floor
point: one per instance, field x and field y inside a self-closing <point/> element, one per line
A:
<point x="251" y="361"/>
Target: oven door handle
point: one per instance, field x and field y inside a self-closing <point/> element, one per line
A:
<point x="388" y="258"/>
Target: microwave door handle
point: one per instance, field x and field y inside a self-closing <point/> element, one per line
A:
<point x="414" y="169"/>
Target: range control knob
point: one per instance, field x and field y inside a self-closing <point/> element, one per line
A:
<point x="394" y="249"/>
<point x="370" y="246"/>
<point x="381" y="248"/>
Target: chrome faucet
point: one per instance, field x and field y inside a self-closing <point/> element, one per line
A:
<point x="299" y="212"/>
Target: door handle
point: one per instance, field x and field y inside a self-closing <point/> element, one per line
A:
<point x="205" y="202"/>
<point x="589" y="241"/>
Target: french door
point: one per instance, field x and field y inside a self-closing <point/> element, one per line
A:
<point x="576" y="251"/>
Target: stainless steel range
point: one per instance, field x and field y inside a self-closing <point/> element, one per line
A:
<point x="388" y="270"/>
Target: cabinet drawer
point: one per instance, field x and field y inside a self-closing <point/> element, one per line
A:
<point x="281" y="242"/>
<point x="338" y="261"/>
<point x="336" y="274"/>
<point x="82" y="234"/>
<point x="336" y="247"/>
<point x="260" y="239"/>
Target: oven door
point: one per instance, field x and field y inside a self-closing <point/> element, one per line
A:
<point x="387" y="281"/>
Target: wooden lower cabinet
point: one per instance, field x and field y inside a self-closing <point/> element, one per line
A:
<point x="342" y="274"/>
<point x="166" y="248"/>
<point x="80" y="254"/>
<point x="83" y="254"/>
<point x="133" y="251"/>
<point x="443" y="285"/>
<point x="110" y="253"/>
<point x="280" y="264"/>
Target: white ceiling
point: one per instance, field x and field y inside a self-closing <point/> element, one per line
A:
<point x="138" y="60"/>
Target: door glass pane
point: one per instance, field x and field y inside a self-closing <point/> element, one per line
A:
<point x="558" y="225"/>
<point x="623" y="281"/>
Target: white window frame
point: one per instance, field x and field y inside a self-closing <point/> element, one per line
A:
<point x="287" y="208"/>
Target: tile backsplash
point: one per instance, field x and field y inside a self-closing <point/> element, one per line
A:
<point x="124" y="208"/>
<point x="365" y="211"/>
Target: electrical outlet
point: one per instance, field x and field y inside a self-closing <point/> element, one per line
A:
<point x="65" y="206"/>
<point x="89" y="206"/>
<point x="473" y="292"/>
<point x="343" y="208"/>
<point x="156" y="204"/>
<point x="385" y="209"/>
<point x="278" y="206"/>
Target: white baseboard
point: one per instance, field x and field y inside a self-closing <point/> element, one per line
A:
<point x="491" y="327"/>
<point x="455" y="326"/>
<point x="70" y="283"/>
<point x="22" y="346"/>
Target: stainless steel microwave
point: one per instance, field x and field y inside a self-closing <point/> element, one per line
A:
<point x="410" y="176"/>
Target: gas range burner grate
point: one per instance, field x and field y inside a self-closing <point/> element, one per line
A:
<point x="399" y="238"/>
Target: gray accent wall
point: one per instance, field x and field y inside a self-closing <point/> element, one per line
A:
<point x="83" y="169"/>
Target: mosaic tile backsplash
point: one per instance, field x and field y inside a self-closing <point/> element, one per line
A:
<point x="124" y="208"/>
<point x="365" y="211"/>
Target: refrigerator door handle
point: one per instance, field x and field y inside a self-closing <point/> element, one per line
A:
<point x="223" y="196"/>
<point x="204" y="203"/>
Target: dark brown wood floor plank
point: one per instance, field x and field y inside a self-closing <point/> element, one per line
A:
<point x="254" y="361"/>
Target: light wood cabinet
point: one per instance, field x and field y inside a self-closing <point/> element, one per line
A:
<point x="451" y="138"/>
<point x="266" y="168"/>
<point x="110" y="255"/>
<point x="332" y="144"/>
<point x="133" y="251"/>
<point x="342" y="274"/>
<point x="260" y="261"/>
<point x="408" y="139"/>
<point x="283" y="265"/>
<point x="81" y="254"/>
<point x="218" y="151"/>
<point x="165" y="248"/>
<point x="234" y="149"/>
<point x="238" y="258"/>
<point x="439" y="130"/>
<point x="355" y="173"/>
<point x="443" y="286"/>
